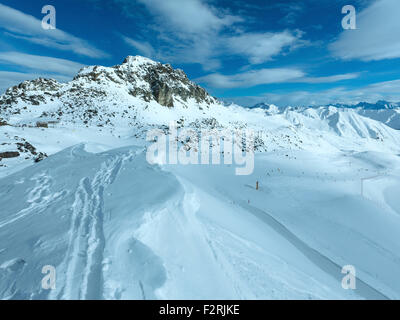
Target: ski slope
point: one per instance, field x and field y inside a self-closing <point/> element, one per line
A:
<point x="116" y="227"/>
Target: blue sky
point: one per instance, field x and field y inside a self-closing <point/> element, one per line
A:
<point x="283" y="52"/>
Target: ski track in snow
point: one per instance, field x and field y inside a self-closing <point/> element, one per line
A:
<point x="83" y="270"/>
<point x="39" y="198"/>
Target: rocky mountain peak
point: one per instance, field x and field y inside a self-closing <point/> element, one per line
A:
<point x="148" y="80"/>
<point x="136" y="81"/>
<point x="138" y="60"/>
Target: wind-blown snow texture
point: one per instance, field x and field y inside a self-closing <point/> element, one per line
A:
<point x="116" y="227"/>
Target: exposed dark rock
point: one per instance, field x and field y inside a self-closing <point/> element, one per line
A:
<point x="162" y="94"/>
<point x="9" y="154"/>
<point x="26" y="147"/>
<point x="41" y="156"/>
<point x="42" y="124"/>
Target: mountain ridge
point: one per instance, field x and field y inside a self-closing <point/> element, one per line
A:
<point x="382" y="111"/>
<point x="140" y="94"/>
<point x="136" y="77"/>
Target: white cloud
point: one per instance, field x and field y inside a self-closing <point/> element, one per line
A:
<point x="292" y="11"/>
<point x="189" y="16"/>
<point x="193" y="31"/>
<point x="28" y="28"/>
<point x="201" y="51"/>
<point x="387" y="87"/>
<point x="261" y="47"/>
<point x="38" y="66"/>
<point x="329" y="79"/>
<point x="189" y="31"/>
<point x="389" y="90"/>
<point x="47" y="64"/>
<point x="267" y="76"/>
<point x="209" y="50"/>
<point x="377" y="35"/>
<point x="143" y="47"/>
<point x="251" y="78"/>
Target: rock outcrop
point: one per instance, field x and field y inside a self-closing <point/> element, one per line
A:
<point x="98" y="94"/>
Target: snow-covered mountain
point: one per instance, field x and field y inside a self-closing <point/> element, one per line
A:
<point x="99" y="95"/>
<point x="381" y="104"/>
<point x="141" y="94"/>
<point x="383" y="111"/>
<point x="77" y="193"/>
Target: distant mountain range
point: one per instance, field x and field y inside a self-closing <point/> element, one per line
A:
<point x="381" y="104"/>
<point x="383" y="111"/>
